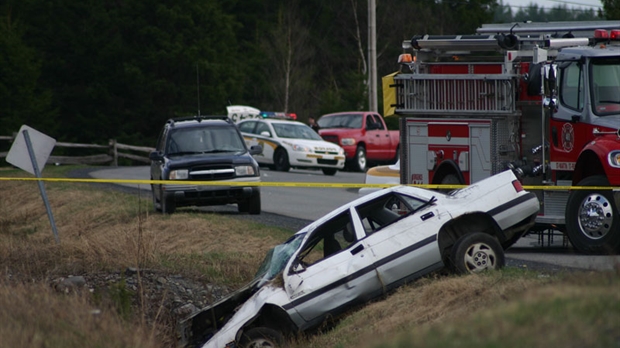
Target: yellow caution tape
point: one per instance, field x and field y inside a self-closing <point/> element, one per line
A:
<point x="291" y="184"/>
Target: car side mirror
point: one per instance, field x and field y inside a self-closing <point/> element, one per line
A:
<point x="265" y="134"/>
<point x="156" y="156"/>
<point x="298" y="267"/>
<point x="256" y="150"/>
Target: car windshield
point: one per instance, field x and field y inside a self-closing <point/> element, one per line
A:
<point x="277" y="257"/>
<point x="199" y="140"/>
<point x="295" y="131"/>
<point x="605" y="74"/>
<point x="341" y="121"/>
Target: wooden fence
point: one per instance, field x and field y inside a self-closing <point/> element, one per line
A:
<point x="111" y="153"/>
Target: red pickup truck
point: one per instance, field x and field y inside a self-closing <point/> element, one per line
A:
<point x="363" y="135"/>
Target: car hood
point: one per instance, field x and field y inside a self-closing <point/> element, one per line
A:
<point x="203" y="324"/>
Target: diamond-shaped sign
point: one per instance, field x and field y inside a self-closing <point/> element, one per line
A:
<point x="42" y="146"/>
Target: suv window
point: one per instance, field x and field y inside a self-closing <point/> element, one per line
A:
<point x="204" y="140"/>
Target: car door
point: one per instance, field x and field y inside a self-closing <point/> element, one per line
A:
<point x="403" y="240"/>
<point x="373" y="137"/>
<point x="333" y="270"/>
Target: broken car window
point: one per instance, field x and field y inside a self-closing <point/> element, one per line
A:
<point x="276" y="258"/>
<point x="328" y="239"/>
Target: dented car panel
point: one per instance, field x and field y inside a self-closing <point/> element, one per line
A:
<point x="362" y="250"/>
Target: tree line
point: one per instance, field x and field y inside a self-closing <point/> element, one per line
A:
<point x="90" y="70"/>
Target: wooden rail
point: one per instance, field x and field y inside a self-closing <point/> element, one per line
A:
<point x="112" y="152"/>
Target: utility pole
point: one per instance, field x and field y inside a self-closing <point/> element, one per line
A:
<point x="372" y="56"/>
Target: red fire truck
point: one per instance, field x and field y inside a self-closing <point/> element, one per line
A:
<point x="542" y="99"/>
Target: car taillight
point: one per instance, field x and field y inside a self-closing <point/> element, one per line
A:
<point x="517" y="185"/>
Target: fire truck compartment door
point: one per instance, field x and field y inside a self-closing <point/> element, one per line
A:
<point x="418" y="149"/>
<point x="480" y="151"/>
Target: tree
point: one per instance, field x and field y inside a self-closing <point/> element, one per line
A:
<point x="22" y="100"/>
<point x="611" y="9"/>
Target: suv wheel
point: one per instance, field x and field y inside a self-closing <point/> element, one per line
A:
<point x="167" y="203"/>
<point x="252" y="205"/>
<point x="156" y="203"/>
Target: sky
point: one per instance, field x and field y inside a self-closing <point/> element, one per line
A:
<point x="547" y="4"/>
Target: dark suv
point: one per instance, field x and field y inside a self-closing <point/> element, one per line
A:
<point x="208" y="149"/>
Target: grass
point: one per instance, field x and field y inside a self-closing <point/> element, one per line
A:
<point x="102" y="231"/>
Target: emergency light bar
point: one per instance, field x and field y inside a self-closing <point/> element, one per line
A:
<point x="280" y="115"/>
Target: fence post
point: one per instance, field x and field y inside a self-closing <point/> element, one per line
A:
<point x="114" y="151"/>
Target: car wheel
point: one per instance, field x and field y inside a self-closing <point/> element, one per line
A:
<point x="280" y="160"/>
<point x="329" y="171"/>
<point x="156" y="202"/>
<point x="450" y="179"/>
<point x="254" y="207"/>
<point x="397" y="156"/>
<point x="244" y="206"/>
<point x="476" y="252"/>
<point x="361" y="162"/>
<point x="261" y="337"/>
<point x="592" y="222"/>
<point x="167" y="203"/>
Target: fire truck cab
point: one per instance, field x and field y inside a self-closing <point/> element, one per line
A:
<point x="542" y="99"/>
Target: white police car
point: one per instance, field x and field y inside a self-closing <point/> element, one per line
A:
<point x="290" y="144"/>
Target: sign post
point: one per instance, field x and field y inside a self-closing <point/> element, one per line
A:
<point x="38" y="148"/>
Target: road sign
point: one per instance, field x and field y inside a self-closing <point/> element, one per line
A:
<point x="42" y="145"/>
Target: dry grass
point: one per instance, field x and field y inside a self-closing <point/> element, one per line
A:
<point x="104" y="231"/>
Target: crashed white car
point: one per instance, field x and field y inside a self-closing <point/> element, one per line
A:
<point x="291" y="144"/>
<point x="361" y="250"/>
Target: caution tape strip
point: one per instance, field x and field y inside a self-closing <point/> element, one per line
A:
<point x="291" y="184"/>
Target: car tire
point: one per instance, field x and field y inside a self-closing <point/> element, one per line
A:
<point x="261" y="337"/>
<point x="329" y="171"/>
<point x="167" y="204"/>
<point x="599" y="232"/>
<point x="397" y="155"/>
<point x="476" y="252"/>
<point x="361" y="161"/>
<point x="156" y="202"/>
<point x="254" y="205"/>
<point x="280" y="160"/>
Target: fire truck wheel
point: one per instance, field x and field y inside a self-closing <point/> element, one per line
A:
<point x="361" y="162"/>
<point x="450" y="179"/>
<point x="280" y="159"/>
<point x="476" y="252"/>
<point x="592" y="222"/>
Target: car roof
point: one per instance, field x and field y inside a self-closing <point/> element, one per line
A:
<point x="187" y="122"/>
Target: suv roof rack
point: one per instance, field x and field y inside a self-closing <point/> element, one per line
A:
<point x="200" y="118"/>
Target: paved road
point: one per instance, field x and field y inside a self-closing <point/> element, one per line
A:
<point x="308" y="204"/>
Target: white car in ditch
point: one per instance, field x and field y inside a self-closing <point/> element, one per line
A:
<point x="361" y="250"/>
